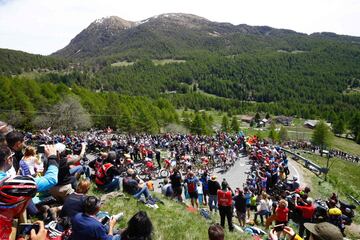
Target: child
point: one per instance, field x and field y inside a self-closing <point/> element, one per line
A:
<point x="28" y="162"/>
<point x="150" y="184"/>
<point x="200" y="193"/>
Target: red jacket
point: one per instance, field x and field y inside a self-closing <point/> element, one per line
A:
<point x="307" y="211"/>
<point x="224" y="198"/>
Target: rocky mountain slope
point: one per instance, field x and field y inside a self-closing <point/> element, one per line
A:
<point x="176" y="35"/>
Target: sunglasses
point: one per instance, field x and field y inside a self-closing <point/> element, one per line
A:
<point x="11" y="155"/>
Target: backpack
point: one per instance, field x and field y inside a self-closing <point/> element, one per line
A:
<point x="191" y="186"/>
<point x="101" y="174"/>
<point x="205" y="213"/>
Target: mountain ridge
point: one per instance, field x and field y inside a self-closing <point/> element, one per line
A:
<point x="173" y="35"/>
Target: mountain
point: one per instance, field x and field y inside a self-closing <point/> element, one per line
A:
<point x="101" y="34"/>
<point x="177" y="35"/>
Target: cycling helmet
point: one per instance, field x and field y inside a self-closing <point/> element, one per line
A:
<point x="15" y="193"/>
<point x="16" y="190"/>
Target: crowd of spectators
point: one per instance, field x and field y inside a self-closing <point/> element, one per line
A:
<point x="46" y="168"/>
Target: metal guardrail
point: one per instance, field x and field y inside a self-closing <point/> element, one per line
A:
<point x="307" y="163"/>
<point x="318" y="170"/>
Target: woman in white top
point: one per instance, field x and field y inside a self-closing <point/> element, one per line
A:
<point x="263" y="208"/>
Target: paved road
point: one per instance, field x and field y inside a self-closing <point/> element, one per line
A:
<point x="236" y="176"/>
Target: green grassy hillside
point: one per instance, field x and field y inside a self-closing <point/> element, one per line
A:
<point x="171" y="220"/>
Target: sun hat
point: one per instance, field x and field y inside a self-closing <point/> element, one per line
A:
<point x="324" y="231"/>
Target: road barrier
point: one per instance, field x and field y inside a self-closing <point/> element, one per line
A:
<point x="307" y="163"/>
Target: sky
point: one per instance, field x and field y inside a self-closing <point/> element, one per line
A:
<point x="45" y="26"/>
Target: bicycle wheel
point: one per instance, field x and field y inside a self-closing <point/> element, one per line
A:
<point x="164" y="173"/>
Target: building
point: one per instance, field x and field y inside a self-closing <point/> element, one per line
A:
<point x="247" y="119"/>
<point x="311" y="123"/>
<point x="284" y="120"/>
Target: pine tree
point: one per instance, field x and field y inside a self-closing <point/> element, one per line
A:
<point x="234" y="125"/>
<point x="338" y="126"/>
<point x="355" y="126"/>
<point x="112" y="110"/>
<point x="198" y="125"/>
<point x="145" y="122"/>
<point x="125" y="121"/>
<point x="321" y="136"/>
<point x="225" y="124"/>
<point x="272" y="134"/>
<point x="283" y="134"/>
<point x="257" y="118"/>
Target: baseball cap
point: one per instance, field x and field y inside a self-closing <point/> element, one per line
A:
<point x="60" y="147"/>
<point x="324" y="231"/>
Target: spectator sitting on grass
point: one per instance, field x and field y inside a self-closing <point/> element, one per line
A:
<point x="133" y="185"/>
<point x="74" y="203"/>
<point x="166" y="189"/>
<point x="86" y="226"/>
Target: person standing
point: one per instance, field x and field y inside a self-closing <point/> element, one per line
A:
<point x="205" y="186"/>
<point x="191" y="182"/>
<point x="240" y="206"/>
<point x="281" y="215"/>
<point x="176" y="180"/>
<point x="225" y="205"/>
<point x="264" y="208"/>
<point x="158" y="157"/>
<point x="213" y="187"/>
<point x="307" y="211"/>
<point x="248" y="195"/>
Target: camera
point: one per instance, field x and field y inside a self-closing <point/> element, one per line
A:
<point x="41" y="149"/>
<point x="24" y="229"/>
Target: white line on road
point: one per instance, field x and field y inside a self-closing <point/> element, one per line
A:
<point x="297" y="173"/>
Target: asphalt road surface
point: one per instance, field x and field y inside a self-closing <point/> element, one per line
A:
<point x="236" y="176"/>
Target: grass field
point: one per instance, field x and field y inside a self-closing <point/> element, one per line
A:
<point x="155" y="61"/>
<point x="170" y="221"/>
<point x="122" y="64"/>
<point x="167" y="61"/>
<point x="343" y="175"/>
<point x="346" y="145"/>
